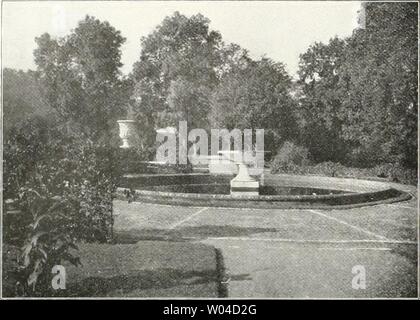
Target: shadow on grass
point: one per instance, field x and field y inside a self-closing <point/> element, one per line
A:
<point x="241" y="277"/>
<point x="407" y="251"/>
<point x="187" y="233"/>
<point x="156" y="282"/>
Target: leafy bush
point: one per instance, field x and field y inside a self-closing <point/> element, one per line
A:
<point x="290" y="158"/>
<point x="62" y="189"/>
<point x="49" y="238"/>
<point x="329" y="168"/>
<point x="396" y="173"/>
<point x="133" y="160"/>
<point x="390" y="172"/>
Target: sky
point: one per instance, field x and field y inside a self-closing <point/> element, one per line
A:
<point x="278" y="30"/>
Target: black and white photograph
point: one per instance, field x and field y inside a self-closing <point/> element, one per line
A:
<point x="209" y="150"/>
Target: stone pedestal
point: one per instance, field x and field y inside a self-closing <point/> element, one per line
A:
<point x="243" y="183"/>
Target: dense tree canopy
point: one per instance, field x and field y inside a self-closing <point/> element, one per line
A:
<point x="359" y="95"/>
<point x="81" y="77"/>
<point x="186" y="72"/>
<point x="320" y="100"/>
<point x="355" y="100"/>
<point x="176" y="70"/>
<point x="256" y="96"/>
<point x="379" y="83"/>
<point x="22" y="98"/>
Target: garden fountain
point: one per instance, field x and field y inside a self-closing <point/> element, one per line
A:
<point x="243" y="189"/>
<point x="241" y="185"/>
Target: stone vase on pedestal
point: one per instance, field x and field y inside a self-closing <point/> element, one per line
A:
<point x="127" y="132"/>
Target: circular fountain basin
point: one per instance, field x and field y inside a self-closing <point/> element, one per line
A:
<point x="279" y="191"/>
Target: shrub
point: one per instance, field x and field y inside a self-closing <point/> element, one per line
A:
<point x="48" y="240"/>
<point x="390" y="172"/>
<point x="134" y="160"/>
<point x="62" y="188"/>
<point x="329" y="168"/>
<point x="396" y="173"/>
<point x="290" y="158"/>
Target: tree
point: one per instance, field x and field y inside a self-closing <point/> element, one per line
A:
<point x="358" y="101"/>
<point x="60" y="181"/>
<point x="379" y="77"/>
<point x="81" y="77"/>
<point x="22" y="99"/>
<point x="256" y="96"/>
<point x="320" y="101"/>
<point x="181" y="53"/>
<point x="189" y="102"/>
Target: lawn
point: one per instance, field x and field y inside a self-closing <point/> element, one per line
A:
<point x="143" y="269"/>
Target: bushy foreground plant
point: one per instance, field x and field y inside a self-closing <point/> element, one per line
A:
<point x="62" y="189"/>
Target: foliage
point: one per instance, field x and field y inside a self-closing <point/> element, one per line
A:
<point x="80" y="77"/>
<point x="134" y="160"/>
<point x="380" y="77"/>
<point x="396" y="173"/>
<point x="28" y="144"/>
<point x="62" y="188"/>
<point x="358" y="96"/>
<point x="256" y="96"/>
<point x="22" y="98"/>
<point x="320" y="100"/>
<point x="388" y="172"/>
<point x="181" y="53"/>
<point x="59" y="169"/>
<point x="289" y="157"/>
<point x="49" y="238"/>
<point x="189" y="102"/>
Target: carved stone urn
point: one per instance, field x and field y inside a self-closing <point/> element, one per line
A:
<point x="127" y="132"/>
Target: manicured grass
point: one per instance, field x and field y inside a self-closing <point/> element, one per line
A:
<point x="143" y="269"/>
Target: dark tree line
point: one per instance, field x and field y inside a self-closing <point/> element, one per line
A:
<point x="355" y="101"/>
<point x="358" y="103"/>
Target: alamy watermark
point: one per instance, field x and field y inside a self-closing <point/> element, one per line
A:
<point x="359" y="280"/>
<point x="58" y="281"/>
<point x="180" y="146"/>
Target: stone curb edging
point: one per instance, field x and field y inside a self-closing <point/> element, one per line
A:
<point x="382" y="195"/>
